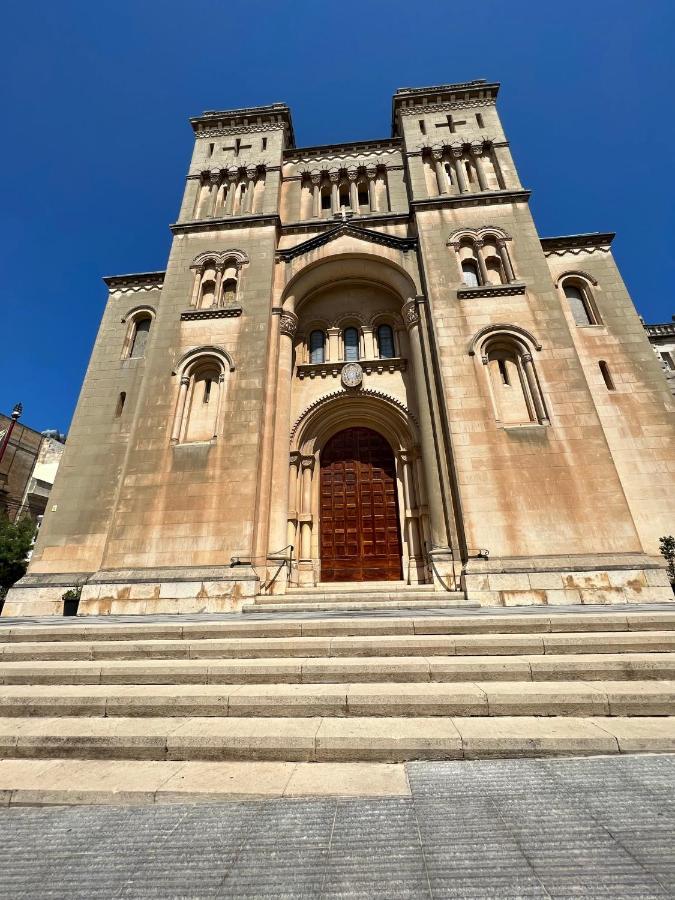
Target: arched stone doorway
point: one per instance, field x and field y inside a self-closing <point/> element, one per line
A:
<point x="360" y="538"/>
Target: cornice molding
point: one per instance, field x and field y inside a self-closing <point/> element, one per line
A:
<point x="191" y="315"/>
<point x="491" y="290"/>
<point x="143" y="281"/>
<point x="444" y="107"/>
<point x="578" y="243"/>
<point x="484" y="198"/>
<point x="333" y="369"/>
<point x="667" y="329"/>
<point x="326" y="224"/>
<point x="366" y="234"/>
<point x="198" y="225"/>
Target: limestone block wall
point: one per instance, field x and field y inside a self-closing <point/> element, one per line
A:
<point x="638" y="413"/>
<point x="75" y="529"/>
<point x="527" y="491"/>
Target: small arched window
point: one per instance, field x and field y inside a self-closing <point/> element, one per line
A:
<point x="470" y="272"/>
<point x="344" y="195"/>
<point x="364" y="195"/>
<point x="325" y="198"/>
<point x="579" y="303"/>
<point x="139" y="341"/>
<point x="317" y="344"/>
<point x="200" y="401"/>
<point x="514" y="384"/>
<point x="351" y="341"/>
<point x="385" y="341"/>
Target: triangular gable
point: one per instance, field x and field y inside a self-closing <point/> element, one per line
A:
<point x="347" y="228"/>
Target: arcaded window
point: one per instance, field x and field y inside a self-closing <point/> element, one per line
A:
<point x="317" y="345"/>
<point x="325" y="198"/>
<point x="351" y="341"/>
<point x="229" y="292"/>
<point x="513" y="380"/>
<point x="200" y="401"/>
<point x="140" y="338"/>
<point x="578" y="298"/>
<point x="385" y="341"/>
<point x="470" y="272"/>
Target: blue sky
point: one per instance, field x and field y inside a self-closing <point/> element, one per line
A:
<point x="96" y="140"/>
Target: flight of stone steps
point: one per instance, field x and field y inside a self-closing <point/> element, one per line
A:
<point x="338" y="689"/>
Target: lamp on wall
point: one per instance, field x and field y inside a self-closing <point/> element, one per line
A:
<point x="15" y="416"/>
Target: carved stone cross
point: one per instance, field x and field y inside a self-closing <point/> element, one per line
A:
<point x="344" y="214"/>
<point x="451" y="124"/>
<point x="237" y="146"/>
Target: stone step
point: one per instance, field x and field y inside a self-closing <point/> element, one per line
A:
<point x="513" y="698"/>
<point x="331" y="670"/>
<point x="510" y="623"/>
<point x="337" y="646"/>
<point x="388" y="739"/>
<point x="50" y="782"/>
<point x="311" y="606"/>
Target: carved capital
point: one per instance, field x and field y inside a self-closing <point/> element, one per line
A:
<point x="437" y="154"/>
<point x="316" y="178"/>
<point x="307" y="462"/>
<point x="294" y="458"/>
<point x="185" y="380"/>
<point x="457" y="152"/>
<point x="526" y="357"/>
<point x="410" y="315"/>
<point x="334" y="177"/>
<point x="214" y="177"/>
<point x="233" y="175"/>
<point x="352" y="174"/>
<point x="371" y="171"/>
<point x="251" y="173"/>
<point x="288" y="324"/>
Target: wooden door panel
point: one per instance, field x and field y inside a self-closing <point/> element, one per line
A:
<point x="360" y="538"/>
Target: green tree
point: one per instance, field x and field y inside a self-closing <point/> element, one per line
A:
<point x="15" y="542"/>
<point x="667" y="548"/>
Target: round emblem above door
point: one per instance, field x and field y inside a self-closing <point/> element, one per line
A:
<point x="352" y="375"/>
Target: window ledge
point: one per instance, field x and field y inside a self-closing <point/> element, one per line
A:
<point x="369" y="366"/>
<point x="229" y="312"/>
<point x="526" y="426"/>
<point x="492" y="290"/>
<point x="593" y="325"/>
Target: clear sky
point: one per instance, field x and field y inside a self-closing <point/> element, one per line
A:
<point x="96" y="140"/>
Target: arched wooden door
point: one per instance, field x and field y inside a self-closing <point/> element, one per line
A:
<point x="360" y="535"/>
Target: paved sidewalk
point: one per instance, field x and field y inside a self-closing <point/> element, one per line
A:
<point x="566" y="828"/>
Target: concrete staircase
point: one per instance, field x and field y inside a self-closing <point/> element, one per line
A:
<point x="370" y="596"/>
<point x="329" y="690"/>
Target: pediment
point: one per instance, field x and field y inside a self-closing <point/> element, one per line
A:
<point x="348" y="229"/>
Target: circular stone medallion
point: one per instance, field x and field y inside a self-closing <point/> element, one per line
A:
<point x="352" y="375"/>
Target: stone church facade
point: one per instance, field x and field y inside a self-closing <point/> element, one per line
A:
<point x="367" y="353"/>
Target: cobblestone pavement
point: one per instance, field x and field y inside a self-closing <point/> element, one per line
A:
<point x="592" y="828"/>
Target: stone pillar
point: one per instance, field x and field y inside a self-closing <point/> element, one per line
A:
<point x="219" y="409"/>
<point x="307" y="467"/>
<point x="291" y="536"/>
<point x="250" y="189"/>
<point x="506" y="260"/>
<point x="369" y="351"/>
<point x="334" y="191"/>
<point x="232" y="178"/>
<point x="458" y="159"/>
<point x="213" y="196"/>
<point x="441" y="177"/>
<point x="371" y="171"/>
<point x="532" y="384"/>
<point x="316" y="195"/>
<point x="439" y="535"/>
<point x="217" y="298"/>
<point x="478" y="247"/>
<point x="333" y="344"/>
<point x="195" y="288"/>
<point x="480" y="170"/>
<point x="180" y="409"/>
<point x="288" y="325"/>
<point x="353" y="174"/>
<point x="413" y="537"/>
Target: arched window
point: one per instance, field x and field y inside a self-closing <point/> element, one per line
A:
<point x="579" y="302"/>
<point x="200" y="401"/>
<point x="344" y="195"/>
<point x="493" y="262"/>
<point x="607" y="376"/>
<point x="351" y="341"/>
<point x="325" y="197"/>
<point x="385" y="341"/>
<point x="470" y="272"/>
<point x="513" y="380"/>
<point x="317" y="344"/>
<point x="364" y="195"/>
<point x="139" y="341"/>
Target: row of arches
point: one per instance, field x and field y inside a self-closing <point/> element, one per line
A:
<point x="233" y="192"/>
<point x="351" y="344"/>
<point x="362" y="191"/>
<point x="483" y="256"/>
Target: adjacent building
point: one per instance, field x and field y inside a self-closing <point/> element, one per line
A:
<point x="363" y="359"/>
<point x="662" y="339"/>
<point x="27" y="469"/>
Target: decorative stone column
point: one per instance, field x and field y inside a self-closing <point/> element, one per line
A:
<point x="371" y="172"/>
<point x="219" y="409"/>
<point x="195" y="288"/>
<point x="533" y="385"/>
<point x="506" y="260"/>
<point x="478" y="247"/>
<point x="441" y="176"/>
<point x="305" y="564"/>
<point x="333" y="344"/>
<point x="292" y="535"/>
<point x="251" y="175"/>
<point x="316" y="195"/>
<point x="288" y="324"/>
<point x="480" y="170"/>
<point x="180" y="409"/>
<point x="334" y="178"/>
<point x="232" y="179"/>
<point x="416" y="567"/>
<point x="213" y="195"/>
<point x="497" y="167"/>
<point x="439" y="535"/>
<point x="352" y="175"/>
<point x="457" y="159"/>
<point x="369" y="351"/>
<point x="217" y="298"/>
